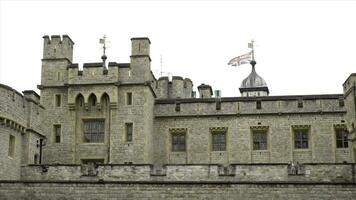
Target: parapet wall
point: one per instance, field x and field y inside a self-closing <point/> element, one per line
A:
<point x="176" y="88"/>
<point x="235" y="172"/>
<point x="317" y="104"/>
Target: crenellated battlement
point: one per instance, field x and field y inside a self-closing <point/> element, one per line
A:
<point x="177" y="88"/>
<point x="93" y="73"/>
<point x="57" y="47"/>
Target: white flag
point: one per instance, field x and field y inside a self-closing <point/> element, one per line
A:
<point x="240" y="60"/>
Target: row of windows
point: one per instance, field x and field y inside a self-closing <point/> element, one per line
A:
<point x="92" y="100"/>
<point x="259" y="140"/>
<point x="94" y="131"/>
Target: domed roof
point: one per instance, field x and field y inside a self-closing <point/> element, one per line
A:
<point x="253" y="80"/>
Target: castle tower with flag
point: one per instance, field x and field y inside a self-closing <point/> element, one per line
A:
<point x="253" y="85"/>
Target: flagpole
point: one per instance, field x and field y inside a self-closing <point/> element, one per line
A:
<point x="253" y="51"/>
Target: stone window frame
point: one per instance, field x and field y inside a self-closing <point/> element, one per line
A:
<point x="341" y="127"/>
<point x="102" y="120"/>
<point x="214" y="147"/>
<point x="12" y="146"/>
<point x="178" y="131"/>
<point x="304" y="129"/>
<point x="55" y="133"/>
<point x="259" y="129"/>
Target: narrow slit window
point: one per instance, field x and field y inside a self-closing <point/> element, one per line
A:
<point x="57" y="133"/>
<point x="58" y="100"/>
<point x="11" y="151"/>
<point x="129" y="130"/>
<point x="129" y="98"/>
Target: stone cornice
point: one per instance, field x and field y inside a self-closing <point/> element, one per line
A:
<point x="340" y="126"/>
<point x="301" y="126"/>
<point x="178" y="130"/>
<point x="259" y="128"/>
<point x="218" y="129"/>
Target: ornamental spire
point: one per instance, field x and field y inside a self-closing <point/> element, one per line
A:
<point x="104" y="57"/>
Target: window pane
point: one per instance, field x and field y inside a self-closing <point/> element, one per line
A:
<point x="94" y="131"/>
<point x="341" y="138"/>
<point x="301" y="139"/>
<point x="260" y="140"/>
<point x="178" y="142"/>
<point x="219" y="141"/>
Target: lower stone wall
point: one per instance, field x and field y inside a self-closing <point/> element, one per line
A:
<point x="172" y="190"/>
<point x="237" y="172"/>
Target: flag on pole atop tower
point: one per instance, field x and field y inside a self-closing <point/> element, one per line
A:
<point x="240" y="60"/>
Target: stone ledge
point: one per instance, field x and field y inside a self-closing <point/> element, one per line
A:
<point x="182" y="182"/>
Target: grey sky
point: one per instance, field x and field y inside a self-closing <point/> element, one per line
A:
<point x="303" y="47"/>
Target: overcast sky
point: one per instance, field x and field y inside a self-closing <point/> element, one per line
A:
<point x="303" y="47"/>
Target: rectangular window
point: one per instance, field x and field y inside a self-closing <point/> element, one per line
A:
<point x="178" y="141"/>
<point x="341" y="138"/>
<point x="301" y="138"/>
<point x="57" y="133"/>
<point x="129" y="98"/>
<point x="58" y="100"/>
<point x="11" y="151"/>
<point x="258" y="104"/>
<point x="94" y="131"/>
<point x="128" y="130"/>
<point x="259" y="140"/>
<point x="219" y="141"/>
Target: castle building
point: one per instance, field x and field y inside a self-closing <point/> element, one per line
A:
<point x="121" y="115"/>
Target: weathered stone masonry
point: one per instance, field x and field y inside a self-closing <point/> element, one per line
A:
<point x="115" y="131"/>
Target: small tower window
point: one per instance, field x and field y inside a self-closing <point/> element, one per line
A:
<point x="57" y="133"/>
<point x="258" y="104"/>
<point x="128" y="130"/>
<point x="58" y="100"/>
<point x="11" y="152"/>
<point x="129" y="98"/>
<point x="341" y="102"/>
<point x="177" y="108"/>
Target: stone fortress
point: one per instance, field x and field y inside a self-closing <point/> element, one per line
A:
<point x="117" y="125"/>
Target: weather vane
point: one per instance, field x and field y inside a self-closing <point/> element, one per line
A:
<point x="104" y="42"/>
<point x="245" y="58"/>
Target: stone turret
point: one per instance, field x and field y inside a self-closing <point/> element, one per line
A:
<point x="205" y="91"/>
<point x="57" y="55"/>
<point x="254" y="85"/>
<point x="140" y="59"/>
<point x="57" y="48"/>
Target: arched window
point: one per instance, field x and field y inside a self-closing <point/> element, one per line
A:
<point x="79" y="102"/>
<point x="105" y="101"/>
<point x="92" y="101"/>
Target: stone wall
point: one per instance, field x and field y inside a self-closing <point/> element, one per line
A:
<point x="19" y="118"/>
<point x="175" y="190"/>
<point x="235" y="172"/>
<point x="278" y="115"/>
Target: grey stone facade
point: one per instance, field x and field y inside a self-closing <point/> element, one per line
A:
<point x="140" y="119"/>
